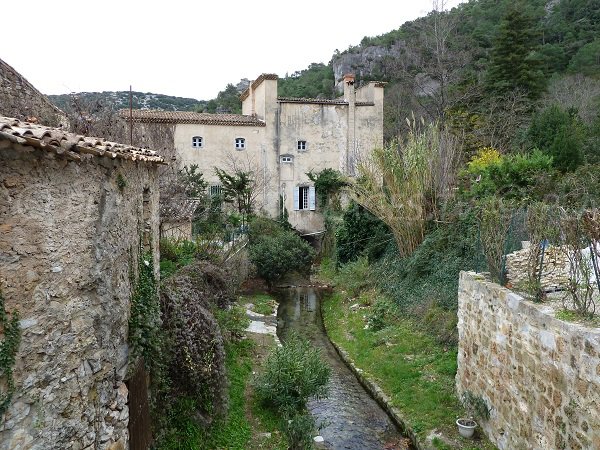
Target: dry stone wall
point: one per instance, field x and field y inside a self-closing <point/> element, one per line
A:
<point x="555" y="271"/>
<point x="69" y="232"/>
<point x="540" y="375"/>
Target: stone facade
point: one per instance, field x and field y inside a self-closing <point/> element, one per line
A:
<point x="283" y="139"/>
<point x="73" y="211"/>
<point x="539" y="375"/>
<point x="18" y="98"/>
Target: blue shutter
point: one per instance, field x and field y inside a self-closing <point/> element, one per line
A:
<point x="296" y="198"/>
<point x="311" y="198"/>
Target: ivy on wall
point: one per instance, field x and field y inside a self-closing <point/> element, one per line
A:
<point x="9" y="327"/>
<point x="145" y="335"/>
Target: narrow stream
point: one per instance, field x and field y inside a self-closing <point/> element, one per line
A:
<point x="349" y="417"/>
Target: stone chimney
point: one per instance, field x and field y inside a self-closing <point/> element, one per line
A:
<point x="349" y="94"/>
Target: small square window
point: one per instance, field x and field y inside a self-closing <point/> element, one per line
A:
<point x="287" y="159"/>
<point x="301" y="146"/>
<point x="240" y="143"/>
<point x="197" y="142"/>
<point x="214" y="190"/>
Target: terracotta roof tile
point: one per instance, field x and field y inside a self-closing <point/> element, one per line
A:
<point x="156" y="116"/>
<point x="70" y="145"/>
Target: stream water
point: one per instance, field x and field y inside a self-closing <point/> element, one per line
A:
<point x="349" y="418"/>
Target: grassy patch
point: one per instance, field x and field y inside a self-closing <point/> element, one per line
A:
<point x="410" y="366"/>
<point x="263" y="303"/>
<point x="573" y="316"/>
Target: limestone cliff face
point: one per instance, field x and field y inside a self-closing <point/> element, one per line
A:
<point x="363" y="62"/>
<point x="19" y="99"/>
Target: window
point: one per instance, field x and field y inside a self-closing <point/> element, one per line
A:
<point x="240" y="143"/>
<point x="197" y="141"/>
<point x="214" y="190"/>
<point x="304" y="198"/>
<point x="287" y="159"/>
<point x="301" y="145"/>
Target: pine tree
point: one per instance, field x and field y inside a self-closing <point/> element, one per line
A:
<point x="514" y="62"/>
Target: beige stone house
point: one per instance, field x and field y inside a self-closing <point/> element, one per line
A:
<point x="74" y="213"/>
<point x="279" y="139"/>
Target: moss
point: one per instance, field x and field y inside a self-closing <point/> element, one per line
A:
<point x="9" y="324"/>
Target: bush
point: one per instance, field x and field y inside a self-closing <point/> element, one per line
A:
<point x="354" y="276"/>
<point x="431" y="272"/>
<point x="293" y="374"/>
<point x="361" y="233"/>
<point x="380" y="314"/>
<point x="174" y="254"/>
<point x="511" y="177"/>
<point x="558" y="133"/>
<point x="233" y="321"/>
<point x="277" y="252"/>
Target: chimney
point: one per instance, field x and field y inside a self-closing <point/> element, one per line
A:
<point x="349" y="87"/>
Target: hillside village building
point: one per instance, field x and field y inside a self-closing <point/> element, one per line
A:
<point x="279" y="139"/>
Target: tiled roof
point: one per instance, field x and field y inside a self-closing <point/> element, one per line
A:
<point x="255" y="83"/>
<point x="156" y="116"/>
<point x="72" y="146"/>
<point x="320" y="101"/>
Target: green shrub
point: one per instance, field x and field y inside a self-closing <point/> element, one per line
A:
<point x="275" y="255"/>
<point x="558" y="133"/>
<point x="511" y="177"/>
<point x="293" y="374"/>
<point x="298" y="428"/>
<point x="360" y="233"/>
<point x="354" y="276"/>
<point x="233" y="321"/>
<point x="380" y="314"/>
<point x="261" y="227"/>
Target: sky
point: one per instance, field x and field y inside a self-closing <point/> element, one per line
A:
<point x="185" y="48"/>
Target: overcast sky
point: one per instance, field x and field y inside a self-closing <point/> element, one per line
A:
<point x="187" y="48"/>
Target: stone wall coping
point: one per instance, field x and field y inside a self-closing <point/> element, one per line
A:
<point x="540" y="311"/>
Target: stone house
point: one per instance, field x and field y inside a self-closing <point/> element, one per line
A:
<point x="74" y="213"/>
<point x="279" y="140"/>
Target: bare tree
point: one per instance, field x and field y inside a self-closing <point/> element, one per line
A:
<point x="575" y="91"/>
<point x="259" y="174"/>
<point x="442" y="63"/>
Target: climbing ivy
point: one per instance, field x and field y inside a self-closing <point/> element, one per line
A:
<point x="9" y="326"/>
<point x="145" y="334"/>
<point x="328" y="182"/>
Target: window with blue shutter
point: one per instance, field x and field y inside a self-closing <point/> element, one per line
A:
<point x="304" y="198"/>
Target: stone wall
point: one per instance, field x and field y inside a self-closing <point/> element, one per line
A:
<point x="19" y="99"/>
<point x="540" y="375"/>
<point x="555" y="272"/>
<point x="69" y="237"/>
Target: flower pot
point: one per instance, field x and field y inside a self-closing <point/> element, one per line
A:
<point x="466" y="427"/>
